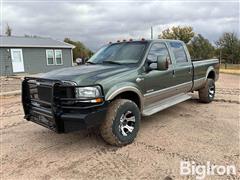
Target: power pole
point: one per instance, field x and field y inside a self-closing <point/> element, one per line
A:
<point x="151" y="32"/>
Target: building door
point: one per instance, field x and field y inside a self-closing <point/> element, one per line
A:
<point x="17" y="60"/>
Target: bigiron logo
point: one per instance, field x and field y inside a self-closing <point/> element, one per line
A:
<point x="190" y="168"/>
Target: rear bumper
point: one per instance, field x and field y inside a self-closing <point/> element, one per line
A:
<point x="59" y="117"/>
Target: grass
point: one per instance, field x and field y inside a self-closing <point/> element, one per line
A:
<point x="230" y="66"/>
<point x="230" y="69"/>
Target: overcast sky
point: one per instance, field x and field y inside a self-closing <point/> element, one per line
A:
<point x="95" y="23"/>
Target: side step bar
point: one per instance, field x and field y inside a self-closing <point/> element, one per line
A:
<point x="160" y="105"/>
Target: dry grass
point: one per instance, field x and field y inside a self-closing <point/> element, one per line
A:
<point x="230" y="68"/>
<point x="230" y="71"/>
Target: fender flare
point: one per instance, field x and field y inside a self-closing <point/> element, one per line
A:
<point x="209" y="70"/>
<point x="114" y="92"/>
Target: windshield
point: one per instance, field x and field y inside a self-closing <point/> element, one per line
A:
<point x="119" y="53"/>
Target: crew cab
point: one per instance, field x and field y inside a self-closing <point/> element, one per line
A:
<point x="119" y="84"/>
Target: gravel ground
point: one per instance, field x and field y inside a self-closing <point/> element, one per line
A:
<point x="188" y="131"/>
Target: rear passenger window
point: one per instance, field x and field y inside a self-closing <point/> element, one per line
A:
<point x="178" y="52"/>
<point x="158" y="49"/>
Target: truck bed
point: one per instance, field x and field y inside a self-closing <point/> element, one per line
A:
<point x="201" y="69"/>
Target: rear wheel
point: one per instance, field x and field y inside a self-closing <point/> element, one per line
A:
<point x="121" y="124"/>
<point x="207" y="93"/>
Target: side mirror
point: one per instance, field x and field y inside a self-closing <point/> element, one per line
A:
<point x="162" y="63"/>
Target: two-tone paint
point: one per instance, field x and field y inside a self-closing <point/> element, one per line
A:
<point x="148" y="86"/>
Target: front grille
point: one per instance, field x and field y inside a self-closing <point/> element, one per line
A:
<point x="42" y="101"/>
<point x="41" y="92"/>
<point x="44" y="93"/>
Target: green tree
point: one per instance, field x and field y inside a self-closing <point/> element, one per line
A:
<point x="200" y="48"/>
<point x="229" y="46"/>
<point x="80" y="50"/>
<point x="8" y="31"/>
<point x="181" y="33"/>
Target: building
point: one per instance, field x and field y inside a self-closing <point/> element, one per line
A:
<point x="33" y="55"/>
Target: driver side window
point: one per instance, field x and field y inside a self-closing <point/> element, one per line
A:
<point x="156" y="50"/>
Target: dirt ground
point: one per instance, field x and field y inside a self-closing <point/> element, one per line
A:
<point x="10" y="83"/>
<point x="188" y="131"/>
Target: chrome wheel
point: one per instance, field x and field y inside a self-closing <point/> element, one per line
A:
<point x="127" y="122"/>
<point x="211" y="91"/>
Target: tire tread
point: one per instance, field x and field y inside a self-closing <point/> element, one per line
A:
<point x="106" y="126"/>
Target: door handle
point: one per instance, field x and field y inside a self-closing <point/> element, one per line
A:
<point x="190" y="70"/>
<point x="139" y="79"/>
<point x="173" y="72"/>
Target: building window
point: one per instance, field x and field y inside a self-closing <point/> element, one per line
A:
<point x="50" y="57"/>
<point x="58" y="57"/>
<point x="54" y="57"/>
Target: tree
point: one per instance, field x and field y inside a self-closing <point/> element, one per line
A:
<point x="80" y="50"/>
<point x="200" y="48"/>
<point x="229" y="45"/>
<point x="181" y="33"/>
<point x="8" y="31"/>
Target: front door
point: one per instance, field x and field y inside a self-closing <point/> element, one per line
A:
<point x="17" y="60"/>
<point x="158" y="83"/>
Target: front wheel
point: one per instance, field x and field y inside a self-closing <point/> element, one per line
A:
<point x="207" y="93"/>
<point x="121" y="124"/>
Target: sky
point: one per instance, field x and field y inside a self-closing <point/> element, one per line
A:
<point x="98" y="22"/>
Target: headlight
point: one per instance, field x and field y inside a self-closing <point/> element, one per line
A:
<point x="88" y="92"/>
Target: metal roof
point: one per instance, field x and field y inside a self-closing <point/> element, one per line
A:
<point x="17" y="41"/>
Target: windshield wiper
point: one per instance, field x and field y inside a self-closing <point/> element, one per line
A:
<point x="112" y="62"/>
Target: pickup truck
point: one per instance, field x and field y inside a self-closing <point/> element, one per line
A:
<point x="119" y="84"/>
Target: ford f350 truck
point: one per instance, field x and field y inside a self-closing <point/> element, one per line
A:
<point x="120" y="83"/>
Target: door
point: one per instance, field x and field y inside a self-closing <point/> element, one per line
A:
<point x="157" y="84"/>
<point x="17" y="60"/>
<point x="183" y="71"/>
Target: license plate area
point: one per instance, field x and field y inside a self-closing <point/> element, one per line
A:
<point x="43" y="120"/>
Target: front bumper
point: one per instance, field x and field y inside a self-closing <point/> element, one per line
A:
<point x="53" y="114"/>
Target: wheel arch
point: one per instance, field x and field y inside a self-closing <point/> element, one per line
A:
<point x="211" y="73"/>
<point x="127" y="92"/>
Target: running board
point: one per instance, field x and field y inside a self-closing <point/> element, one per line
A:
<point x="160" y="105"/>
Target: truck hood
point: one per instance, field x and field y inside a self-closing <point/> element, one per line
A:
<point x="86" y="74"/>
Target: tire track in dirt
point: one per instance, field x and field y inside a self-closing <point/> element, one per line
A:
<point x="13" y="125"/>
<point x="227" y="101"/>
<point x="34" y="160"/>
<point x="161" y="150"/>
<point x="229" y="91"/>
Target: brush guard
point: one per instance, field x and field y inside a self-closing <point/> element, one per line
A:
<point x="52" y="104"/>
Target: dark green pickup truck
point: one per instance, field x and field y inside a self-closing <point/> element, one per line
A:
<point x="120" y="83"/>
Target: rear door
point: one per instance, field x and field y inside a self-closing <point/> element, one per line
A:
<point x="17" y="60"/>
<point x="183" y="71"/>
